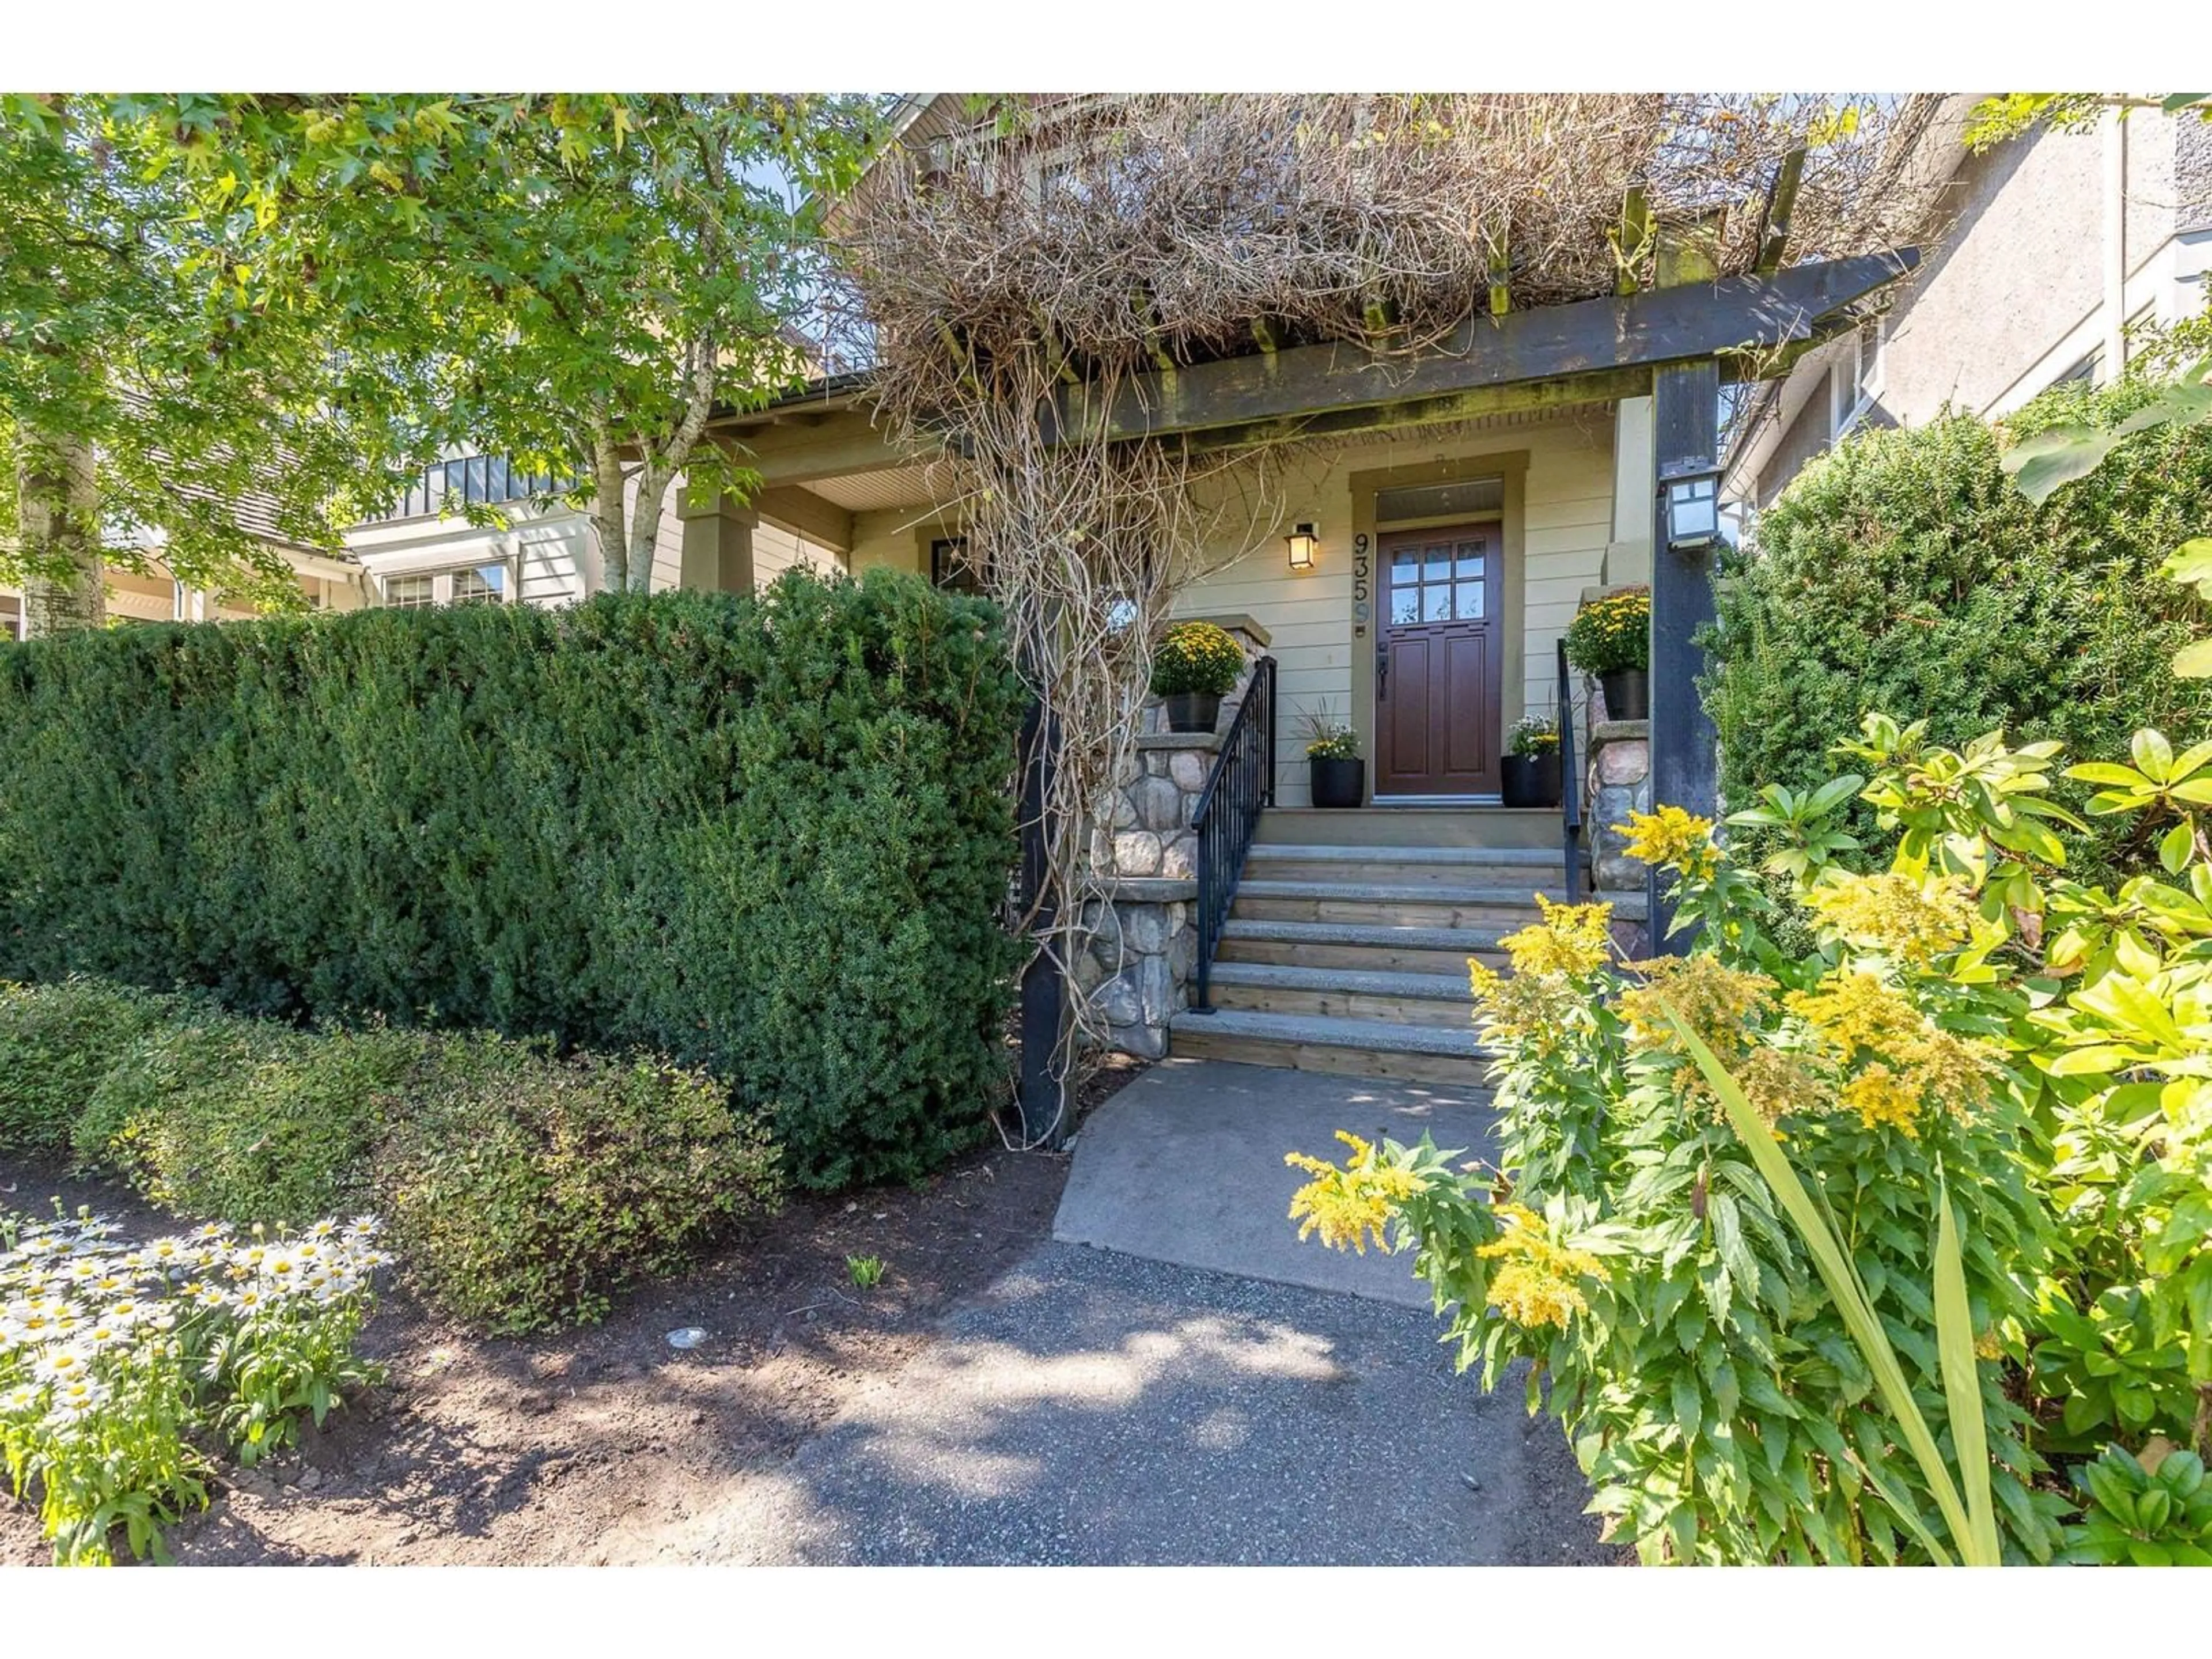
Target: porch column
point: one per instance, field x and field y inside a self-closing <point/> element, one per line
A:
<point x="1685" y="748"/>
<point x="718" y="544"/>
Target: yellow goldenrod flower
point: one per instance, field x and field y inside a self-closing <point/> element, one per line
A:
<point x="1344" y="1205"/>
<point x="1868" y="1022"/>
<point x="1717" y="1002"/>
<point x="1574" y="939"/>
<point x="1879" y="1096"/>
<point x="1672" y="838"/>
<point x="1535" y="1284"/>
<point x="1910" y="919"/>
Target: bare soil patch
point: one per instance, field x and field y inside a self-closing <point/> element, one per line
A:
<point x="596" y="1446"/>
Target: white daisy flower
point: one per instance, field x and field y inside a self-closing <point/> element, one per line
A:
<point x="64" y="1363"/>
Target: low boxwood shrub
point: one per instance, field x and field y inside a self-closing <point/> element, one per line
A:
<point x="523" y="1188"/>
<point x="250" y="1119"/>
<point x="57" y="1042"/>
<point x="525" y="1192"/>
<point x="1903" y="570"/>
<point x="767" y="836"/>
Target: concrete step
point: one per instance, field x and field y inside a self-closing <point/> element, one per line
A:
<point x="1530" y="827"/>
<point x="1434" y="999"/>
<point x="1356" y="1047"/>
<point x="1404" y="867"/>
<point x="1508" y="903"/>
<point x="1364" y="947"/>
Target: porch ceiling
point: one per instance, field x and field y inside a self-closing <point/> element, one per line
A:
<point x="864" y="492"/>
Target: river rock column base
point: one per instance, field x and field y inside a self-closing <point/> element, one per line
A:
<point x="1620" y="783"/>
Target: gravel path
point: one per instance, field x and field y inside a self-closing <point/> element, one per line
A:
<point x="1094" y="1407"/>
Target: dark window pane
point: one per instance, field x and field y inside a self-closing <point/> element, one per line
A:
<point x="1470" y="560"/>
<point x="479" y="483"/>
<point x="1439" y="564"/>
<point x="1406" y="566"/>
<point x="500" y="487"/>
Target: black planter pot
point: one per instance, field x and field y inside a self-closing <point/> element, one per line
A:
<point x="1627" y="693"/>
<point x="1530" y="779"/>
<point x="1192" y="711"/>
<point x="1338" y="782"/>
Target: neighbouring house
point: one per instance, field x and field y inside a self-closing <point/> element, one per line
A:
<point x="424" y="550"/>
<point x="327" y="583"/>
<point x="2045" y="254"/>
<point x="1460" y="509"/>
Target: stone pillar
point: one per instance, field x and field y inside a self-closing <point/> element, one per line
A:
<point x="718" y="544"/>
<point x="1620" y="783"/>
<point x="1144" y="950"/>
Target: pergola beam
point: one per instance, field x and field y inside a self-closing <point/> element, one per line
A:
<point x="1642" y="330"/>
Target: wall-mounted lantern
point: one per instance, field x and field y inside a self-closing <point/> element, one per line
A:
<point x="1301" y="542"/>
<point x="1694" y="512"/>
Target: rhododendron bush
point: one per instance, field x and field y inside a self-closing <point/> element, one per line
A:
<point x="1967" y="1021"/>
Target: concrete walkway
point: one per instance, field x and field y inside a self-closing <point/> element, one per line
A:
<point x="1186" y="1166"/>
<point x="1204" y="1389"/>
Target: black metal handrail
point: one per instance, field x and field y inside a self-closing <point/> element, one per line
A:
<point x="1242" y="782"/>
<point x="1570" y="783"/>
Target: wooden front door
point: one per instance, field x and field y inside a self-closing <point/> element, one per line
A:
<point x="1436" y="663"/>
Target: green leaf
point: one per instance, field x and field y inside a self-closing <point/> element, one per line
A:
<point x="2153" y="754"/>
<point x="2176" y="845"/>
<point x="2190" y="563"/>
<point x="2194" y="662"/>
<point x="1954" y="1341"/>
<point x="2041" y="464"/>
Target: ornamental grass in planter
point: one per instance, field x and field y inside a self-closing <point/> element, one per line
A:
<point x="1195" y="665"/>
<point x="1336" y="774"/>
<point x="1610" y="638"/>
<point x="1529" y="775"/>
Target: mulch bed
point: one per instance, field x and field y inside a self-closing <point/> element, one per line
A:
<point x="599" y="1445"/>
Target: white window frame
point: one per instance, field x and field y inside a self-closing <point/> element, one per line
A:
<point x="1855" y="382"/>
<point x="441" y="584"/>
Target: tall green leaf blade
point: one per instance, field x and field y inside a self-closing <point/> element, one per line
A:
<point x="1962" y="1387"/>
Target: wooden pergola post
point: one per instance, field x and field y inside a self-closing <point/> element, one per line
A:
<point x="1685" y="748"/>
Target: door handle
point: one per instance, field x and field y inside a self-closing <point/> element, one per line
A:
<point x="1382" y="673"/>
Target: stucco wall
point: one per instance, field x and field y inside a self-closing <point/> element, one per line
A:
<point x="2020" y="266"/>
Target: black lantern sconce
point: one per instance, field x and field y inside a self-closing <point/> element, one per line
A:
<point x="1301" y="542"/>
<point x="1694" y="512"/>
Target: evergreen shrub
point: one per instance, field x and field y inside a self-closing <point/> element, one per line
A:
<point x="767" y="837"/>
<point x="1903" y="570"/>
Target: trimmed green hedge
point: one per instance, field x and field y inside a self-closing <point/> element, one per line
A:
<point x="1904" y="571"/>
<point x="769" y="837"/>
<point x="523" y="1189"/>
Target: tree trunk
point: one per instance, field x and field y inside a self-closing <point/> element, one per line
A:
<point x="608" y="518"/>
<point x="58" y="505"/>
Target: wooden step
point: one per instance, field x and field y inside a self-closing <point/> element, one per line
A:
<point x="1359" y="947"/>
<point x="1414" y="826"/>
<point x="1440" y="1000"/>
<point x="1356" y="1048"/>
<point x="1407" y="866"/>
<point x="1506" y="906"/>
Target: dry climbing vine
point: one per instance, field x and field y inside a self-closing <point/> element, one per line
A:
<point x="1016" y="248"/>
